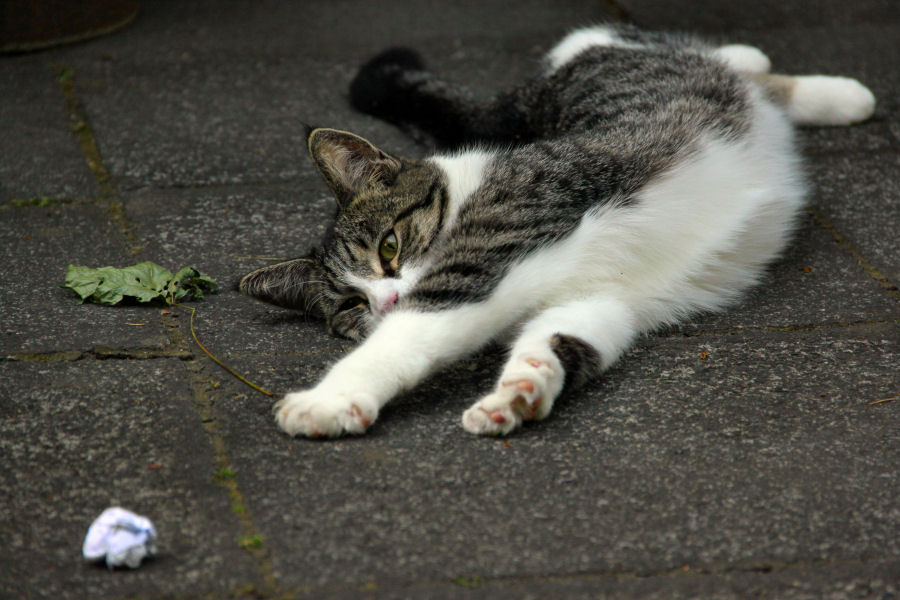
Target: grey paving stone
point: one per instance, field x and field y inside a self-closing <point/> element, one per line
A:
<point x="79" y="437"/>
<point x="228" y="232"/>
<point x="836" y="582"/>
<point x="39" y="156"/>
<point x="36" y="246"/>
<point x="714" y="16"/>
<point x="816" y="281"/>
<point x="764" y="451"/>
<point x="252" y="28"/>
<point x="208" y="93"/>
<point x="207" y="121"/>
<point x="865" y="51"/>
<point x="860" y="198"/>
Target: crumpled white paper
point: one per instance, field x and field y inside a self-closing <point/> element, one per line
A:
<point x="120" y="536"/>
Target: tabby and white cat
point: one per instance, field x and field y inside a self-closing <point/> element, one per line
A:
<point x="640" y="178"/>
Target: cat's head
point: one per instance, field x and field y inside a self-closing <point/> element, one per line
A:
<point x="389" y="212"/>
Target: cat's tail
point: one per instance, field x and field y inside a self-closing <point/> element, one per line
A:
<point x="396" y="87"/>
<point x="818" y="99"/>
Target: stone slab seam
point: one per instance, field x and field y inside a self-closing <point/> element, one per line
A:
<point x="463" y="583"/>
<point x="78" y="124"/>
<point x="225" y="476"/>
<point x="98" y="353"/>
<point x="805" y="327"/>
<point x="870" y="269"/>
<point x="80" y="127"/>
<point x="45" y="201"/>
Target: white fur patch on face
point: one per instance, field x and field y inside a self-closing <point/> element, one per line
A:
<point x="745" y="58"/>
<point x="383" y="294"/>
<point x="580" y="40"/>
<point x="825" y="100"/>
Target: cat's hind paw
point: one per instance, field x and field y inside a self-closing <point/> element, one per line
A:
<point x="314" y="414"/>
<point x="744" y="58"/>
<point x="827" y="100"/>
<point x="526" y="392"/>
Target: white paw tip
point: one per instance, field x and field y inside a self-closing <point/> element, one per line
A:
<point x="825" y="100"/>
<point x="744" y="58"/>
<point x="303" y="414"/>
<point x="479" y="421"/>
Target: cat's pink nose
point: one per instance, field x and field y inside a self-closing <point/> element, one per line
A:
<point x="389" y="302"/>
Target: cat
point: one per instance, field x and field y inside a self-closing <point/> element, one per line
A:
<point x="639" y="178"/>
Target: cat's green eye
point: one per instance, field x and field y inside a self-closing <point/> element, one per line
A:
<point x="389" y="247"/>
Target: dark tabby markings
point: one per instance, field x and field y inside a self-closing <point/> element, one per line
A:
<point x="442" y="209"/>
<point x="445" y="297"/>
<point x="346" y="247"/>
<point x="581" y="361"/>
<point x="423" y="204"/>
<point x="331" y="270"/>
<point x="466" y="268"/>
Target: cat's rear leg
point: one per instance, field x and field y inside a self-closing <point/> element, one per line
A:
<point x="563" y="346"/>
<point x="819" y="99"/>
<point x="741" y="57"/>
<point x="809" y="99"/>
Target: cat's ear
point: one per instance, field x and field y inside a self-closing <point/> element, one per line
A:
<point x="292" y="284"/>
<point x="349" y="163"/>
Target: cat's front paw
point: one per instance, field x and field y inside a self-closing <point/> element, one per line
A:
<point x="526" y="392"/>
<point x="316" y="413"/>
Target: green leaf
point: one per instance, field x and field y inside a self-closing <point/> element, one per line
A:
<point x="190" y="281"/>
<point x="143" y="282"/>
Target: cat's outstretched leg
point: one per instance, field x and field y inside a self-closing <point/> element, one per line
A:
<point x="402" y="350"/>
<point x="819" y="99"/>
<point x="565" y="345"/>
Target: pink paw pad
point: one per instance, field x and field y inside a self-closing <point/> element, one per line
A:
<point x="522" y="384"/>
<point x="526" y="410"/>
<point x="521" y="404"/>
<point x="358" y="415"/>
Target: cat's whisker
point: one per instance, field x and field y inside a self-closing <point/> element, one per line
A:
<point x="307" y="304"/>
